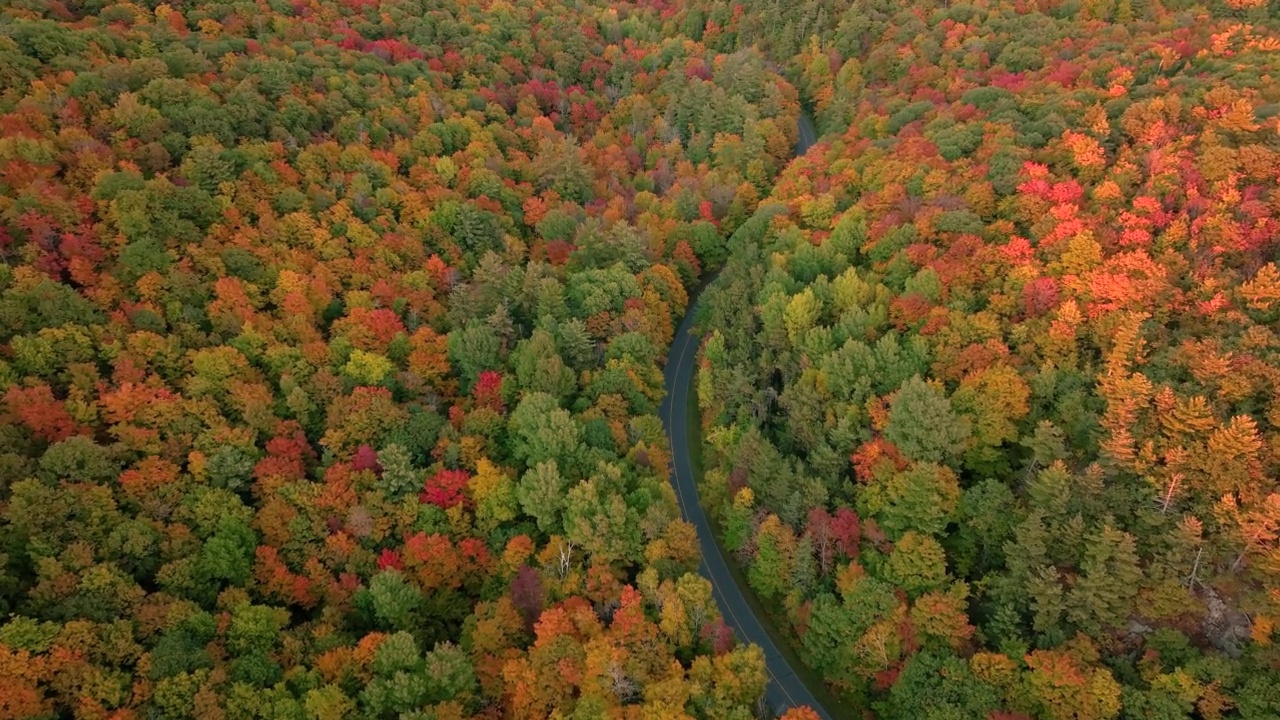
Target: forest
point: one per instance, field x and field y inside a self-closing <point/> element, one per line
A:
<point x="332" y="336"/>
<point x="999" y="435"/>
<point x="330" y="344"/>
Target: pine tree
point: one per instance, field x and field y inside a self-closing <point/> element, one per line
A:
<point x="923" y="425"/>
<point x="1109" y="581"/>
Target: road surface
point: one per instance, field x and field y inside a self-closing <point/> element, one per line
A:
<point x="786" y="689"/>
<point x="807" y="134"/>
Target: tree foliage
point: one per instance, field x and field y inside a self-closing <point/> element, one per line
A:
<point x="1014" y="312"/>
<point x="330" y="344"/>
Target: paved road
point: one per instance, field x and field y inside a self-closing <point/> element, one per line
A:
<point x="785" y="689"/>
<point x="807" y="134"/>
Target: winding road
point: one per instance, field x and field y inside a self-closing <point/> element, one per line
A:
<point x="786" y="689"/>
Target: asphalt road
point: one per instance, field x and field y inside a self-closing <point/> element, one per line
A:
<point x="785" y="690"/>
<point x="807" y="134"/>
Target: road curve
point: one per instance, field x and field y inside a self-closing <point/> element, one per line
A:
<point x="785" y="689"/>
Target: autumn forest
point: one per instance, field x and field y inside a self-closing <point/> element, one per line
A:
<point x="333" y="337"/>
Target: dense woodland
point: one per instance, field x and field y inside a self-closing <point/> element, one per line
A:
<point x="1001" y="433"/>
<point x="331" y="336"/>
<point x="330" y="349"/>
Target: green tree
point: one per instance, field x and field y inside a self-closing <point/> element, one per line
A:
<point x="917" y="564"/>
<point x="228" y="554"/>
<point x="476" y="230"/>
<point x="396" y="603"/>
<point x="399" y="684"/>
<point x="399" y="477"/>
<point x="602" y="523"/>
<point x="923" y="425"/>
<point x="922" y="498"/>
<point x="450" y="675"/>
<point x="801" y="312"/>
<point x="1110" y="578"/>
<point x="27" y="307"/>
<point x="938" y="687"/>
<point x="78" y="459"/>
<point x="575" y="343"/>
<point x="836" y="626"/>
<point x="540" y="430"/>
<point x="231" y="467"/>
<point x="538" y="367"/>
<point x="541" y="492"/>
<point x="255" y="628"/>
<point x="771" y="567"/>
<point x="183" y="648"/>
<point x="474" y="349"/>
